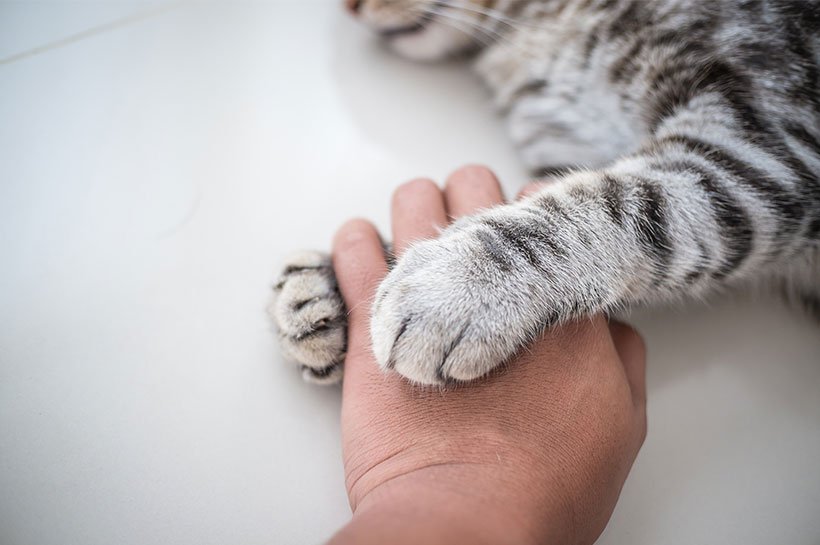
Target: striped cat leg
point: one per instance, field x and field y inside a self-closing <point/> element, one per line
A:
<point x="310" y="316"/>
<point x="686" y="215"/>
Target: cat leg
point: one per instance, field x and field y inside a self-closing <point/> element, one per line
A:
<point x="310" y="317"/>
<point x="698" y="208"/>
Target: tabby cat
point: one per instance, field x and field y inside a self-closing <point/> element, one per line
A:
<point x="684" y="137"/>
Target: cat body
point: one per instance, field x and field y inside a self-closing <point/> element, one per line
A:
<point x="681" y="139"/>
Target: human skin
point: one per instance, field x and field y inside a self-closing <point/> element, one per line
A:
<point x="537" y="452"/>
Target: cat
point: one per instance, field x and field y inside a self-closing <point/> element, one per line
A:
<point x="682" y="138"/>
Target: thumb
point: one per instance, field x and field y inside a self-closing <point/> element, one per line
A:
<point x="632" y="351"/>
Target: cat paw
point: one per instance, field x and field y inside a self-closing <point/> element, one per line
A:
<point x="458" y="306"/>
<point x="310" y="317"/>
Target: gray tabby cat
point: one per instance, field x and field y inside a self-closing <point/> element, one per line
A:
<point x="688" y="134"/>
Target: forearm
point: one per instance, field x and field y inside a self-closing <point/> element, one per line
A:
<point x="430" y="524"/>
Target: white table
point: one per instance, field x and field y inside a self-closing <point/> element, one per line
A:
<point x="155" y="166"/>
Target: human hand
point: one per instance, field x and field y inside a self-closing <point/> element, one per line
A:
<point x="537" y="452"/>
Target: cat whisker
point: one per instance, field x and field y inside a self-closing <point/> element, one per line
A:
<point x="494" y="15"/>
<point x="458" y="24"/>
<point x="470" y="26"/>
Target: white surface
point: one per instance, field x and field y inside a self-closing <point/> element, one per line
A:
<point x="153" y="175"/>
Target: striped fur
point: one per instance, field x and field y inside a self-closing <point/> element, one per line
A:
<point x="688" y="133"/>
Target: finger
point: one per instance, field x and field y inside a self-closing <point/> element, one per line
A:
<point x="358" y="261"/>
<point x="418" y="213"/>
<point x="471" y="188"/>
<point x="632" y="351"/>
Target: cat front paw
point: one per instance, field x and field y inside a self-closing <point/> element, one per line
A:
<point x="456" y="307"/>
<point x="310" y="317"/>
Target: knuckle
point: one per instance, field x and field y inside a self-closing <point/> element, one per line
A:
<point x="642" y="428"/>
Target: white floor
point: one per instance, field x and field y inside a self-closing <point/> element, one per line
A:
<point x="156" y="163"/>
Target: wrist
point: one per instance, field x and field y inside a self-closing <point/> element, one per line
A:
<point x="434" y="506"/>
